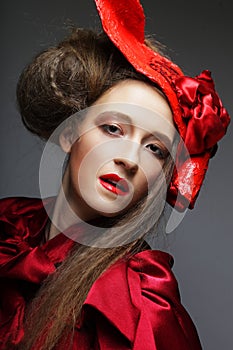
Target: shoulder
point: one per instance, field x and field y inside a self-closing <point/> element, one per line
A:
<point x="129" y="287"/>
<point x="21" y="223"/>
<point x="140" y="295"/>
<point x="15" y="210"/>
<point x="23" y="264"/>
<point x="131" y="278"/>
<point x="17" y="205"/>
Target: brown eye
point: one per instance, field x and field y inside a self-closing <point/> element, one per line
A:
<point x="112" y="129"/>
<point x="158" y="151"/>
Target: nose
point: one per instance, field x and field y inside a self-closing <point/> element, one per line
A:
<point x="129" y="155"/>
<point x="129" y="165"/>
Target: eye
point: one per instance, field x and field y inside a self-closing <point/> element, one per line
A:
<point x="157" y="151"/>
<point x="112" y="129"/>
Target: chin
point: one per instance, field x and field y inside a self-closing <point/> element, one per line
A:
<point x="118" y="214"/>
<point x="112" y="215"/>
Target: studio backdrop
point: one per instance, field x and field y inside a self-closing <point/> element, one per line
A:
<point x="197" y="35"/>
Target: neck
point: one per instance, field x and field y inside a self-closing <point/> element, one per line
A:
<point x="67" y="211"/>
<point x="63" y="216"/>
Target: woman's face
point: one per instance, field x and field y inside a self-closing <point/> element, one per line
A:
<point x="122" y="145"/>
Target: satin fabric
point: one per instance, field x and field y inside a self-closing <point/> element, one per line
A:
<point x="135" y="304"/>
<point x="207" y="120"/>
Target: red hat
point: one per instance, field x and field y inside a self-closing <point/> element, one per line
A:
<point x="198" y="113"/>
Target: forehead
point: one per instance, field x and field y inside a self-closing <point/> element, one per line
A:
<point x="134" y="102"/>
<point x="140" y="94"/>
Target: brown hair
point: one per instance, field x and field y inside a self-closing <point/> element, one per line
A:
<point x="68" y="78"/>
<point x="59" y="82"/>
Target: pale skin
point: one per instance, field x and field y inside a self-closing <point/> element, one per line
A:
<point x="117" y="142"/>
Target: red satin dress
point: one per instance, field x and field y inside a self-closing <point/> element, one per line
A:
<point x="135" y="304"/>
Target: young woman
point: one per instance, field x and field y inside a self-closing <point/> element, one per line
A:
<point x="77" y="271"/>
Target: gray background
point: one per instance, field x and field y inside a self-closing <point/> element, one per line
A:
<point x="199" y="36"/>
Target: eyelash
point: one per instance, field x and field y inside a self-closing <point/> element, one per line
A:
<point x="160" y="152"/>
<point x="107" y="129"/>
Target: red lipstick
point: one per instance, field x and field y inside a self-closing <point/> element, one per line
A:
<point x="115" y="184"/>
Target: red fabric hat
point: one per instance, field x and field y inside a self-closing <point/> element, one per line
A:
<point x="198" y="113"/>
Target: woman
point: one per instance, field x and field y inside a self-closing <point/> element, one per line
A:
<point x="109" y="291"/>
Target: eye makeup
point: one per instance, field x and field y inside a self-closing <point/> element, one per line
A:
<point x="115" y="118"/>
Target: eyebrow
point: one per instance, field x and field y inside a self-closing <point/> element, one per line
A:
<point x="125" y="118"/>
<point x="119" y="115"/>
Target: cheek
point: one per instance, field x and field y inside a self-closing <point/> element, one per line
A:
<point x="145" y="182"/>
<point x="85" y="161"/>
<point x="152" y="169"/>
<point x="83" y="146"/>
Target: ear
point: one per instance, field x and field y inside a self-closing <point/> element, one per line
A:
<point x="66" y="139"/>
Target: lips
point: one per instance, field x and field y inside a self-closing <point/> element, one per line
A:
<point x="115" y="184"/>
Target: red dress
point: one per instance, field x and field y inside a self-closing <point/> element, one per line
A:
<point x="135" y="304"/>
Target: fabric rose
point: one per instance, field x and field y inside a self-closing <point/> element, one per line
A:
<point x="206" y="118"/>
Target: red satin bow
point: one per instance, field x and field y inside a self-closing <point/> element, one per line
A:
<point x="206" y="123"/>
<point x="206" y="118"/>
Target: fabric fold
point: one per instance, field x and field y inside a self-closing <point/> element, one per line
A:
<point x="24" y="261"/>
<point x="135" y="301"/>
<point x="140" y="298"/>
